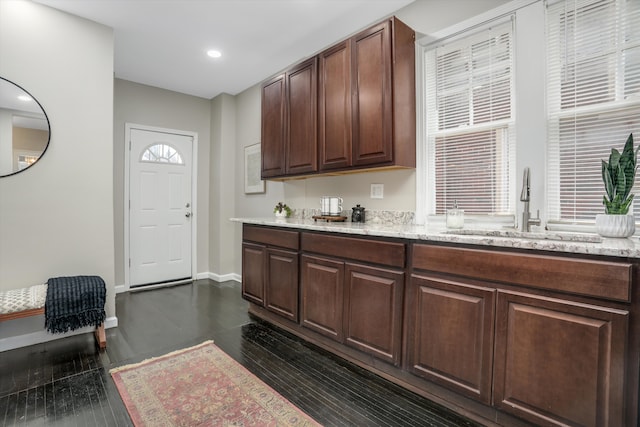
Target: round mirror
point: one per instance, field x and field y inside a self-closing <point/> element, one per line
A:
<point x="24" y="129"/>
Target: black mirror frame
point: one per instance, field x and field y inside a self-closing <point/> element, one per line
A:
<point x="48" y="125"/>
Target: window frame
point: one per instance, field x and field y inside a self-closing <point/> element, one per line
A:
<point x="556" y="114"/>
<point x="425" y="152"/>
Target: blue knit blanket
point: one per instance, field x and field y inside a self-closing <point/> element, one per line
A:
<point x="74" y="302"/>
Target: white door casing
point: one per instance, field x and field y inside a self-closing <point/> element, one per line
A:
<point x="160" y="206"/>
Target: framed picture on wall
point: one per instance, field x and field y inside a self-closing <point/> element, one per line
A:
<point x="252" y="182"/>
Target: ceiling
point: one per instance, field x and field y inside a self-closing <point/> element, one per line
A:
<point x="163" y="43"/>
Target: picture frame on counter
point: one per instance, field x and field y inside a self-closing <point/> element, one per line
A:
<point x="253" y="184"/>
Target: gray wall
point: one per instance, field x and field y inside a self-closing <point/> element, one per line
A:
<point x="56" y="218"/>
<point x="224" y="186"/>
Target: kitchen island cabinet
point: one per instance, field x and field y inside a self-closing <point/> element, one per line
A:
<point x="507" y="336"/>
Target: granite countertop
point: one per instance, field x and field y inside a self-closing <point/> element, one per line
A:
<point x="579" y="243"/>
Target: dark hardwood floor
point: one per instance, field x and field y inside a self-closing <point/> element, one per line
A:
<point x="66" y="382"/>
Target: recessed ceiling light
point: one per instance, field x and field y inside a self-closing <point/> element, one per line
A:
<point x="25" y="98"/>
<point x="214" y="53"/>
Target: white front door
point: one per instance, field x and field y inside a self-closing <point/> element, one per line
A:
<point x="160" y="207"/>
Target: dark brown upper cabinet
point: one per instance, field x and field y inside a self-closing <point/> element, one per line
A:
<point x="289" y="122"/>
<point x="301" y="141"/>
<point x="334" y="107"/>
<point x="273" y="127"/>
<point x="361" y="116"/>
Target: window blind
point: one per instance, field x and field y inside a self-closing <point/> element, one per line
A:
<point x="593" y="96"/>
<point x="470" y="126"/>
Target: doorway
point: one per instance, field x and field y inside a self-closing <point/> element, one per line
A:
<point x="159" y="205"/>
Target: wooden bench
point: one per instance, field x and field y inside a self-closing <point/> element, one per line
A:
<point x="26" y="302"/>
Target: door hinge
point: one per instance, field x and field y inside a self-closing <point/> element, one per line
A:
<point x="129" y="262"/>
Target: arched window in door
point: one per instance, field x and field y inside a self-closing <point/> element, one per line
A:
<point x="161" y="153"/>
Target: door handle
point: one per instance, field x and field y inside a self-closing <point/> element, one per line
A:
<point x="188" y="214"/>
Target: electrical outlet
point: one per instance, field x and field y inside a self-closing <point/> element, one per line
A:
<point x="377" y="191"/>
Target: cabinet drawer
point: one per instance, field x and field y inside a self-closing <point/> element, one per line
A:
<point x="270" y="236"/>
<point x="374" y="251"/>
<point x="601" y="279"/>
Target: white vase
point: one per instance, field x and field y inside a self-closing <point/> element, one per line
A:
<point x="282" y="214"/>
<point x="615" y="225"/>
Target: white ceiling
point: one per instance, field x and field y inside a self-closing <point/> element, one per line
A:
<point x="163" y="43"/>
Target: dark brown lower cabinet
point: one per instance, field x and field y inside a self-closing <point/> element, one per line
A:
<point x="322" y="290"/>
<point x="354" y="304"/>
<point x="451" y="334"/>
<point x="253" y="272"/>
<point x="270" y="279"/>
<point x="558" y="362"/>
<point x="373" y="311"/>
<point x="270" y="269"/>
<point x="509" y="337"/>
<point x="484" y="324"/>
<point x="281" y="288"/>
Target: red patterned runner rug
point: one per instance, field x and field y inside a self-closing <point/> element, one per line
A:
<point x="201" y="386"/>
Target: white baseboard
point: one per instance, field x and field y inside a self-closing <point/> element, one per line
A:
<point x="219" y="277"/>
<point x="39" y="337"/>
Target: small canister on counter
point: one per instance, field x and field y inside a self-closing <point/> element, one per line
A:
<point x="455" y="216"/>
<point x="358" y="214"/>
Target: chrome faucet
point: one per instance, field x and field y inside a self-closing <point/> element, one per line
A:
<point x="527" y="221"/>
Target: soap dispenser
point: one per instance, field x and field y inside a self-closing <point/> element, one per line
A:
<point x="455" y="217"/>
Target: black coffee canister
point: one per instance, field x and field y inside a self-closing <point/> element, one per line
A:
<point x="358" y="214"/>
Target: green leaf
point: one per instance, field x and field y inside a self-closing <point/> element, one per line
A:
<point x="614" y="158"/>
<point x="608" y="181"/>
<point x="621" y="183"/>
<point x="618" y="176"/>
<point x="628" y="165"/>
<point x="624" y="207"/>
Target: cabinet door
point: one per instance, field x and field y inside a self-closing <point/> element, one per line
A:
<point x="559" y="362"/>
<point x="273" y="127"/>
<point x="322" y="288"/>
<point x="253" y="272"/>
<point x="335" y="107"/>
<point x="373" y="101"/>
<point x="281" y="288"/>
<point x="373" y="311"/>
<point x="301" y="154"/>
<point x="450" y="339"/>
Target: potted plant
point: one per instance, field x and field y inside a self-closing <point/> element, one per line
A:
<point x="618" y="175"/>
<point x="282" y="210"/>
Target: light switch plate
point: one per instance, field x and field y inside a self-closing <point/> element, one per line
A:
<point x="377" y="191"/>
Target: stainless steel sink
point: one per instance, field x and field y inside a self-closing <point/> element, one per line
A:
<point x="513" y="233"/>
